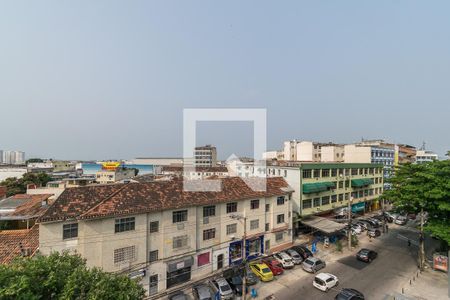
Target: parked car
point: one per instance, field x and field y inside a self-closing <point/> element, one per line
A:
<point x="313" y="264"/>
<point x="274" y="265"/>
<point x="222" y="287"/>
<point x="401" y="220"/>
<point x="236" y="283"/>
<point x="262" y="271"/>
<point x="296" y="258"/>
<point x="249" y="275"/>
<point x="375" y="222"/>
<point x="373" y="232"/>
<point x="349" y="294"/>
<point x="284" y="259"/>
<point x="363" y="225"/>
<point x="303" y="251"/>
<point x="366" y="255"/>
<point x="325" y="281"/>
<point x="202" y="292"/>
<point x="356" y="229"/>
<point x="178" y="295"/>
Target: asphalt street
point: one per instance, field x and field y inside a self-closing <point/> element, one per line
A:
<point x="393" y="268"/>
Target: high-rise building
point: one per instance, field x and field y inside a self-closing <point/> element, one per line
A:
<point x="205" y="156"/>
<point x="13" y="157"/>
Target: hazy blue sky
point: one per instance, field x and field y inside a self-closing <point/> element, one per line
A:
<point x="110" y="79"/>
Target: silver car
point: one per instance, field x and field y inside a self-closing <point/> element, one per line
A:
<point x="202" y="292"/>
<point x="313" y="264"/>
<point x="224" y="289"/>
<point x="296" y="258"/>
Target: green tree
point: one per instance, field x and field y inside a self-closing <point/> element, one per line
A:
<point x="63" y="276"/>
<point x="19" y="185"/>
<point x="424" y="187"/>
<point x="34" y="160"/>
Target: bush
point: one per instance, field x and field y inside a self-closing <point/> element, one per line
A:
<point x="355" y="240"/>
<point x="339" y="246"/>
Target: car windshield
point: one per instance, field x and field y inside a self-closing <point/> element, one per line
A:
<point x="225" y="287"/>
<point x="319" y="281"/>
<point x="309" y="262"/>
<point x="236" y="280"/>
<point x="266" y="270"/>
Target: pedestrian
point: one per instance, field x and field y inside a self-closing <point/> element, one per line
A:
<point x="370" y="238"/>
<point x="409" y="243"/>
<point x="387" y="228"/>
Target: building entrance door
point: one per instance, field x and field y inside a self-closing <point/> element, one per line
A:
<point x="220" y="261"/>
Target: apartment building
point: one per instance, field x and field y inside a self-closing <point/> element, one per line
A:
<point x="320" y="188"/>
<point x="165" y="236"/>
<point x="367" y="153"/>
<point x="205" y="156"/>
<point x="424" y="156"/>
<point x="13" y="157"/>
<point x="110" y="176"/>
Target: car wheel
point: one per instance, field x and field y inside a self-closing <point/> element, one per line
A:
<point x="370" y="260"/>
<point x="327" y="289"/>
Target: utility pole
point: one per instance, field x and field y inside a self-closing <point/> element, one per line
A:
<point x="384" y="215"/>
<point x="422" y="243"/>
<point x="244" y="259"/>
<point x="350" y="223"/>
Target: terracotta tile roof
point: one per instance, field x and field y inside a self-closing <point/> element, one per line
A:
<point x="15" y="243"/>
<point x="76" y="201"/>
<point x="25" y="206"/>
<point x="133" y="198"/>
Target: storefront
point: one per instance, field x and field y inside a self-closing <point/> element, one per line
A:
<point x="254" y="248"/>
<point x="359" y="208"/>
<point x="179" y="271"/>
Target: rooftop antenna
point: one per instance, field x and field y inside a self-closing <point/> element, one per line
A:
<point x="423" y="146"/>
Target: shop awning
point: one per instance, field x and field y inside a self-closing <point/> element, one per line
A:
<point x="317" y="187"/>
<point x="323" y="224"/>
<point x="362" y="182"/>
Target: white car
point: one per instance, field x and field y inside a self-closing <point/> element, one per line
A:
<point x="325" y="281"/>
<point x="401" y="220"/>
<point x="284" y="259"/>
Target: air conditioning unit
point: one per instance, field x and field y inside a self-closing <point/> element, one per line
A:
<point x="206" y="220"/>
<point x="180" y="226"/>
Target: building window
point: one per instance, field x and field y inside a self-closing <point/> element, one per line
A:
<point x="307" y="203"/>
<point x="267" y="227"/>
<point x="153" y="256"/>
<point x="254" y="204"/>
<point x="153" y="285"/>
<point x="341" y="184"/>
<point x="285" y="173"/>
<point x="209" y="234"/>
<point x="209" y="211"/>
<point x="326" y="173"/>
<point x="124" y="224"/>
<point x="333" y="198"/>
<point x="203" y="259"/>
<point x="180" y="241"/>
<point x="316" y="202"/>
<point x="126" y="254"/>
<point x="70" y="231"/>
<point x="316" y="173"/>
<point x="279" y="236"/>
<point x="254" y="224"/>
<point x="231" y="228"/>
<point x="179" y="216"/>
<point x="341" y="197"/>
<point x="347" y="183"/>
<point x="280" y="200"/>
<point x="333" y="172"/>
<point x="231" y="207"/>
<point x="325" y="200"/>
<point x="306" y="173"/>
<point x="154" y="226"/>
<point x="354" y="171"/>
<point x="280" y="219"/>
<point x="267" y="207"/>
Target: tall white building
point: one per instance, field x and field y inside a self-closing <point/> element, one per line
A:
<point x="13" y="157"/>
<point x="423" y="156"/>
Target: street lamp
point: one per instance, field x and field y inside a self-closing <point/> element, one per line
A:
<point x="244" y="260"/>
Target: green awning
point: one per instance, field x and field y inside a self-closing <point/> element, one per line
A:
<point x="362" y="182"/>
<point x="317" y="187"/>
<point x="309" y="188"/>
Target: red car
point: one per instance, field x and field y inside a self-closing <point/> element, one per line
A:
<point x="274" y="266"/>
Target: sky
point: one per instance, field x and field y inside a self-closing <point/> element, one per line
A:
<point x="110" y="79"/>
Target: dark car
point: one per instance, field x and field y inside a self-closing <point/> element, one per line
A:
<point x="366" y="255"/>
<point x="349" y="294"/>
<point x="251" y="277"/>
<point x="179" y="295"/>
<point x="236" y="284"/>
<point x="373" y="232"/>
<point x="303" y="251"/>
